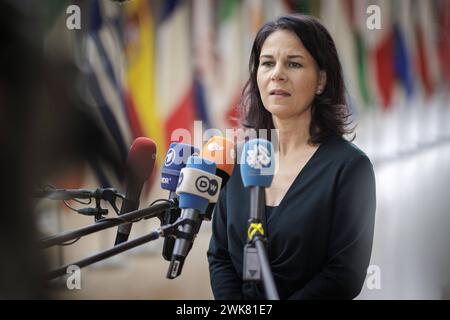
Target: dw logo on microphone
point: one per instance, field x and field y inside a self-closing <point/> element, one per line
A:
<point x="203" y="184"/>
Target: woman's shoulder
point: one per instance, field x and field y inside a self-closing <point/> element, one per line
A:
<point x="343" y="150"/>
<point x="347" y="161"/>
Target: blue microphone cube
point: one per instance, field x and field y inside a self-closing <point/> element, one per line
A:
<point x="202" y="184"/>
<point x="176" y="159"/>
<point x="257" y="163"/>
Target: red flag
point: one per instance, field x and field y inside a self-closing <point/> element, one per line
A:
<point x="444" y="39"/>
<point x="384" y="61"/>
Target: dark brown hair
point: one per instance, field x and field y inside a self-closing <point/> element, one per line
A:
<point x="329" y="113"/>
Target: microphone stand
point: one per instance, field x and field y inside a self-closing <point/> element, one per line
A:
<point x="107" y="194"/>
<point x="259" y="265"/>
<point x="150" y="212"/>
<point x="165" y="231"/>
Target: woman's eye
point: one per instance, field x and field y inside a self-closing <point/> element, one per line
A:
<point x="267" y="63"/>
<point x="295" y="65"/>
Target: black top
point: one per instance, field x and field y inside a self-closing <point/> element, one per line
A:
<point x="319" y="237"/>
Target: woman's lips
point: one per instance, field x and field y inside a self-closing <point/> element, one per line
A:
<point x="279" y="93"/>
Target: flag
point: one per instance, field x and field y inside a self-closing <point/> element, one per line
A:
<point x="383" y="54"/>
<point x="337" y="18"/>
<point x="426" y="40"/>
<point x="175" y="70"/>
<point x="444" y="39"/>
<point x="253" y="13"/>
<point x="141" y="100"/>
<point x="369" y="42"/>
<point x="204" y="61"/>
<point x="404" y="46"/>
<point x="230" y="63"/>
<point x="275" y="9"/>
<point x="402" y="65"/>
<point x="106" y="83"/>
<point x="309" y="7"/>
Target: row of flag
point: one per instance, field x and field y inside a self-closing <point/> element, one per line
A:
<point x="156" y="66"/>
<point x="410" y="52"/>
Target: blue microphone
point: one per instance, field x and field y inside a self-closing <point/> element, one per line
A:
<point x="176" y="159"/>
<point x="197" y="186"/>
<point x="257" y="170"/>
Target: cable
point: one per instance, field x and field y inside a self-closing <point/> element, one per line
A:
<point x="68" y="206"/>
<point x="161" y="200"/>
<point x="79" y="201"/>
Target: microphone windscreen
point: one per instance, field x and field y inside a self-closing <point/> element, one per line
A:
<point x="257" y="163"/>
<point x="141" y="160"/>
<point x="223" y="152"/>
<point x="176" y="159"/>
<point x="188" y="200"/>
<point x="140" y="164"/>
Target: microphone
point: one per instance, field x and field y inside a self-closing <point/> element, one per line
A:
<point x="176" y="159"/>
<point x="257" y="170"/>
<point x="257" y="163"/>
<point x="140" y="164"/>
<point x="197" y="187"/>
<point x="223" y="153"/>
<point x="69" y="194"/>
<point x="107" y="194"/>
<point x="218" y="150"/>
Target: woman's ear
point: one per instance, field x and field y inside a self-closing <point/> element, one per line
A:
<point x="322" y="82"/>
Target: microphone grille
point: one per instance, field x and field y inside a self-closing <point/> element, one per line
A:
<point x="257" y="163"/>
<point x="141" y="157"/>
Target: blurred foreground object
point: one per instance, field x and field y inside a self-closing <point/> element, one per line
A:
<point x="44" y="129"/>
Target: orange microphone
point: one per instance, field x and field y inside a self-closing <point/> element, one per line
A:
<point x="223" y="152"/>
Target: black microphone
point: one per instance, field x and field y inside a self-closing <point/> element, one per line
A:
<point x="197" y="186"/>
<point x="140" y="164"/>
<point x="64" y="194"/>
<point x="176" y="159"/>
<point x="69" y="194"/>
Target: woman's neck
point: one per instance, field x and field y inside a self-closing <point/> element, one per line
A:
<point x="293" y="133"/>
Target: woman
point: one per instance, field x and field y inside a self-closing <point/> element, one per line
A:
<point x="320" y="208"/>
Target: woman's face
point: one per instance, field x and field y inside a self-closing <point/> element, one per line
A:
<point x="287" y="75"/>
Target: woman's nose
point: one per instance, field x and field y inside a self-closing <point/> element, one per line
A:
<point x="278" y="73"/>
